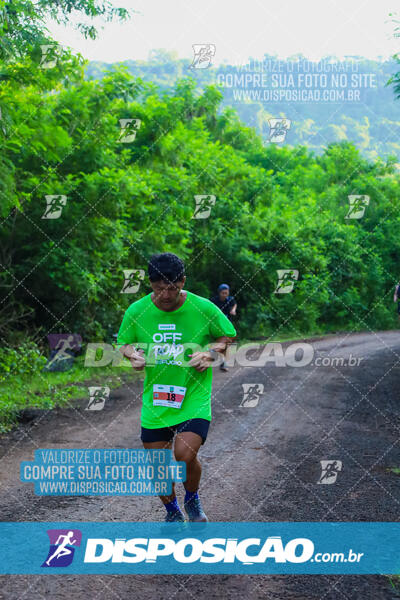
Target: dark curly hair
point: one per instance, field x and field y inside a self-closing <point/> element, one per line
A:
<point x="166" y="267"/>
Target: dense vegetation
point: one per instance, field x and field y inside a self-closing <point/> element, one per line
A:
<point x="277" y="207"/>
<point x="372" y="122"/>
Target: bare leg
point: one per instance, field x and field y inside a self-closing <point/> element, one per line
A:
<point x="187" y="445"/>
<point x="158" y="446"/>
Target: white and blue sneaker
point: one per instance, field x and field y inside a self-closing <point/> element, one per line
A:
<point x="195" y="511"/>
<point x="175" y="517"/>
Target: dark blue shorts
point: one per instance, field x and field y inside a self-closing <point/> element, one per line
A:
<point x="166" y="434"/>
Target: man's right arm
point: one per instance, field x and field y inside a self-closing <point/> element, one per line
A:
<point x="127" y="333"/>
<point x="135" y="357"/>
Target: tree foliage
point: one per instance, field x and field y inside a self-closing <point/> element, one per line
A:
<point x="23" y="22"/>
<point x="371" y="121"/>
<point x="276" y="207"/>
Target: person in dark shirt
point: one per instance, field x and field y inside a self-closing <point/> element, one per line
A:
<point x="228" y="305"/>
<point x="396" y="297"/>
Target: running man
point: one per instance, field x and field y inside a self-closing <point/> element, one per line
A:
<point x="228" y="305"/>
<point x="175" y="326"/>
<point x="396" y="297"/>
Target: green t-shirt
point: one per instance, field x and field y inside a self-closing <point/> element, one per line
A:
<point x="168" y="337"/>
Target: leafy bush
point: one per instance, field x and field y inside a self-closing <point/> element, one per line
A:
<point x="26" y="360"/>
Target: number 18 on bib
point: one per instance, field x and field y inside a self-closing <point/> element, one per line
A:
<point x="168" y="395"/>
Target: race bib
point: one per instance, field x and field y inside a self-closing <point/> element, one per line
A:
<point x="168" y="395"/>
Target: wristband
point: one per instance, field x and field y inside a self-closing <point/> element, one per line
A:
<point x="214" y="355"/>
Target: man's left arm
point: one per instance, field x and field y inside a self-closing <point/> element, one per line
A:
<point x="219" y="324"/>
<point x="221" y="344"/>
<point x="202" y="360"/>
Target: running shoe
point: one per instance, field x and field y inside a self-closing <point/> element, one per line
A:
<point x="175" y="517"/>
<point x="194" y="511"/>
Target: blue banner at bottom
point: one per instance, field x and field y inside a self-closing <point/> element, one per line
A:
<point x="191" y="548"/>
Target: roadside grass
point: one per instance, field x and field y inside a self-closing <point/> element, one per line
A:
<point x="46" y="390"/>
<point x="288" y="336"/>
<point x="395" y="470"/>
<point x="284" y="337"/>
<point x="24" y="385"/>
<point x="395" y="582"/>
<point x="29" y="387"/>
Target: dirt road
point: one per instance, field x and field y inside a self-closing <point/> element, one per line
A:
<point x="260" y="463"/>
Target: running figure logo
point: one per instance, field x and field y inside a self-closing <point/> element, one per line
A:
<point x="97" y="397"/>
<point x="49" y="56"/>
<point x="286" y="280"/>
<point x="54" y="206"/>
<point x="330" y="470"/>
<point x="133" y="277"/>
<point x="251" y="394"/>
<point x="278" y="129"/>
<point x="62" y="547"/>
<point x="203" y="53"/>
<point x="204" y="203"/>
<point x="62" y="346"/>
<point x="129" y="127"/>
<point x="358" y="204"/>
